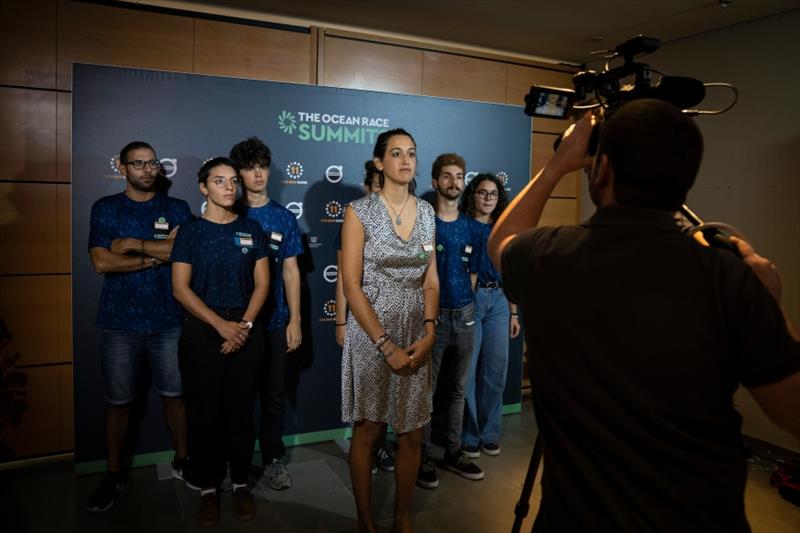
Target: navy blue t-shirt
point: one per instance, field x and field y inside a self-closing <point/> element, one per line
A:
<point x="486" y="271"/>
<point x="139" y="301"/>
<point x="457" y="247"/>
<point x="223" y="257"/>
<point x="283" y="241"/>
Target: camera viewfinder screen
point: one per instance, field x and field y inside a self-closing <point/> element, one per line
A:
<point x="551" y="104"/>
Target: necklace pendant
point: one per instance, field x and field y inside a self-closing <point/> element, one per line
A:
<point x="398" y="221"/>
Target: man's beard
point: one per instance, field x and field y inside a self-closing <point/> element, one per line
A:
<point x="449" y="193"/>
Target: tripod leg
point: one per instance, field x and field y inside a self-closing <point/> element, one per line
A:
<point x="521" y="509"/>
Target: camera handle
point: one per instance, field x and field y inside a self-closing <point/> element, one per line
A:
<point x="716" y="234"/>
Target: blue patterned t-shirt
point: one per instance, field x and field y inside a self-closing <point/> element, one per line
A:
<point x="486" y="271"/>
<point x="457" y="247"/>
<point x="283" y="241"/>
<point x="139" y="301"/>
<point x="223" y="257"/>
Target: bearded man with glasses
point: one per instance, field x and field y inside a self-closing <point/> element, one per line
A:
<point x="130" y="242"/>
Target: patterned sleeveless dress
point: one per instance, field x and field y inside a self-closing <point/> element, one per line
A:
<point x="392" y="281"/>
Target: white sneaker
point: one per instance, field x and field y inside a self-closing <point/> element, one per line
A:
<point x="277" y="475"/>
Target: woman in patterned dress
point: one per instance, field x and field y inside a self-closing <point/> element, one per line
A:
<point x="390" y="281"/>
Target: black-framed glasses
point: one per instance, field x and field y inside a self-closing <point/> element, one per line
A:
<point x="139" y="164"/>
<point x="221" y="181"/>
<point x="488" y="195"/>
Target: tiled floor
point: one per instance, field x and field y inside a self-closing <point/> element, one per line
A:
<point x="49" y="499"/>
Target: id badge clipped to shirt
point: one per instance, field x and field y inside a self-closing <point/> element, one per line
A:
<point x="160" y="229"/>
<point x="244" y="241"/>
<point x="275" y="241"/>
<point x="465" y="255"/>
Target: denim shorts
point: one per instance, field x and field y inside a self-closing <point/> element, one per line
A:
<point x="122" y="354"/>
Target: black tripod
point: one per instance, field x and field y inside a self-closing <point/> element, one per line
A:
<point x="521" y="509"/>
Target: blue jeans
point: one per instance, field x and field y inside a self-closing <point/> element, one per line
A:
<point x="454" y="338"/>
<point x="122" y="354"/>
<point x="487" y="375"/>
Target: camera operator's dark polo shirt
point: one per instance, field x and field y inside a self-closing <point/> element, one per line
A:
<point x="639" y="337"/>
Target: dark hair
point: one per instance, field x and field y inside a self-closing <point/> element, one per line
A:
<point x="447" y="159"/>
<point x="205" y="170"/>
<point x="251" y="152"/>
<point x="468" y="200"/>
<point x="369" y="172"/>
<point x="655" y="151"/>
<point x="380" y="150"/>
<point x="130" y="147"/>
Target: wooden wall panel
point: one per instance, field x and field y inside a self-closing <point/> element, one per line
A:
<point x="28" y="228"/>
<point x="519" y="83"/>
<point x="28" y="43"/>
<point x="227" y="49"/>
<point x="372" y="66"/>
<point x="542" y="150"/>
<point x="466" y="78"/>
<point x="29" y="305"/>
<point x="559" y="212"/>
<point x="66" y="401"/>
<point x="28" y="134"/>
<point x="64" y="289"/>
<point x="63" y="137"/>
<point x="40" y="429"/>
<point x="63" y="262"/>
<point x="106" y="35"/>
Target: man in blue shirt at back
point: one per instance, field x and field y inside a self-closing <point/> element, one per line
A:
<point x="130" y="241"/>
<point x="457" y="250"/>
<point x="281" y="313"/>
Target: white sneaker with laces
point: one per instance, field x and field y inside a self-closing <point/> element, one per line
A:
<point x="277" y="475"/>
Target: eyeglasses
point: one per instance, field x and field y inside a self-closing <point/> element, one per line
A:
<point x="487" y="195"/>
<point x="221" y="182"/>
<point x="139" y="164"/>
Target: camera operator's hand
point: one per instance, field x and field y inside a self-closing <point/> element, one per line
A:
<point x="571" y="154"/>
<point x="761" y="267"/>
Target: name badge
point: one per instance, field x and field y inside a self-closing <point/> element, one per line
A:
<point x="275" y="236"/>
<point x="244" y="240"/>
<point x="468" y="249"/>
<point x="160" y="224"/>
<point x="427" y="247"/>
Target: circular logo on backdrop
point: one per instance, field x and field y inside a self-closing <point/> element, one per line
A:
<point x="296" y="208"/>
<point x="330" y="273"/>
<point x="294" y="170"/>
<point x="329" y="308"/>
<point x="334" y="173"/>
<point x="333" y="209"/>
<point x="468" y="177"/>
<point x="286" y="122"/>
<point x="169" y="166"/>
<point x="203" y="208"/>
<point x="502" y="176"/>
<point x="114" y="163"/>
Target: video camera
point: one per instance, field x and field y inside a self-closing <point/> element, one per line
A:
<point x="607" y="90"/>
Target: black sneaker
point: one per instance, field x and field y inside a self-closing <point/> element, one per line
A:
<point x="462" y="465"/>
<point x="182" y="470"/>
<point x="384" y="460"/>
<point x="427" y="477"/>
<point x="491" y="448"/>
<point x="473" y="452"/>
<point x="106" y="493"/>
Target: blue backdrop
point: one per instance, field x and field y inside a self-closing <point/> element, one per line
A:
<point x="320" y="138"/>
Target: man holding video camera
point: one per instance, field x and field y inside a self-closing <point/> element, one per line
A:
<point x="639" y="336"/>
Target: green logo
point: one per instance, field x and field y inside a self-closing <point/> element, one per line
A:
<point x="286" y="122"/>
<point x="439" y="247"/>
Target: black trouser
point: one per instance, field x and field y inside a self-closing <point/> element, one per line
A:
<point x="272" y="393"/>
<point x="220" y="392"/>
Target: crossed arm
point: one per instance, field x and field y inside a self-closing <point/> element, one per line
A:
<point x="131" y="255"/>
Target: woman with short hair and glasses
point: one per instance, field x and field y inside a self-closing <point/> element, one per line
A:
<point x="221" y="276"/>
<point x="495" y="321"/>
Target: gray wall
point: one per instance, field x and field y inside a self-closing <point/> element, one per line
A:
<point x="749" y="177"/>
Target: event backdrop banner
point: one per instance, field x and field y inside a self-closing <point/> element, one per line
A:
<point x="320" y="138"/>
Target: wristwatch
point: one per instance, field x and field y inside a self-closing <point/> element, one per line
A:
<point x="248" y="324"/>
<point x="434" y="320"/>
